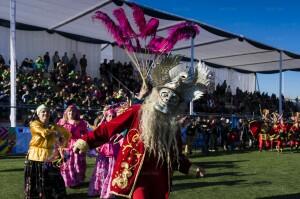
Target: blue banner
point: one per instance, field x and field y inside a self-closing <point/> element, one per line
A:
<point x="23" y="137"/>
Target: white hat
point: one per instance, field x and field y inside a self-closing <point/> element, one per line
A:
<point x="40" y="108"/>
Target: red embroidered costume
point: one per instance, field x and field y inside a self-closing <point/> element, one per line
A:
<point x="135" y="174"/>
<point x="144" y="163"/>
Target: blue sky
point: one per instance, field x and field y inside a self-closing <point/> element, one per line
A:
<point x="274" y="22"/>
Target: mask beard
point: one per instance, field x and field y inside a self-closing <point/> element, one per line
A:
<point x="158" y="129"/>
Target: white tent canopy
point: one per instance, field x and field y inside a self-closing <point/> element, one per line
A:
<point x="218" y="48"/>
<point x="244" y="81"/>
<point x="31" y="44"/>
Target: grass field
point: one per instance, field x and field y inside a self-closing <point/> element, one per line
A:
<point x="244" y="175"/>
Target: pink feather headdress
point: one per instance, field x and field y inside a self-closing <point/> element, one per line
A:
<point x="154" y="46"/>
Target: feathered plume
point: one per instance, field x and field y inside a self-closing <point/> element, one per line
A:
<point x="115" y="30"/>
<point x="139" y="17"/>
<point x="183" y="30"/>
<point x="125" y="36"/>
<point x="128" y="45"/>
<point x="154" y="44"/>
<point x="160" y="74"/>
<point x="178" y="32"/>
<point x="150" y="28"/>
<point x="166" y="45"/>
<point x="203" y="75"/>
<point x="201" y="80"/>
<point x="124" y="23"/>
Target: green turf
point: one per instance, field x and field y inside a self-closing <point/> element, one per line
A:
<point x="245" y="175"/>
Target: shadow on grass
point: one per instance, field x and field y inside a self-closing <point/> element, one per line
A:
<point x="197" y="153"/>
<point x="218" y="164"/>
<point x="210" y="175"/>
<point x="260" y="183"/>
<point x="82" y="185"/>
<point x="79" y="196"/>
<point x="288" y="196"/>
<point x="12" y="157"/>
<point x="12" y="170"/>
<point x="182" y="186"/>
<point x="90" y="165"/>
<point x="238" y="174"/>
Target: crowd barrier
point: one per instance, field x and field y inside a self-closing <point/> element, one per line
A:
<point x="14" y="140"/>
<point x="23" y="137"/>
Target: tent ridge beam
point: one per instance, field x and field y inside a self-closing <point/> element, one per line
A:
<point x="167" y="26"/>
<point x="213" y="65"/>
<point x="81" y="14"/>
<point x="236" y="55"/>
<point x="276" y="61"/>
<point x="105" y="46"/>
<point x="203" y="44"/>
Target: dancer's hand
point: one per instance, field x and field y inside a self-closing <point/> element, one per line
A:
<point x="80" y="146"/>
<point x="200" y="172"/>
<point x="143" y="92"/>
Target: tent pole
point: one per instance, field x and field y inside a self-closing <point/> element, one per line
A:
<point x="192" y="68"/>
<point x="257" y="82"/>
<point x="283" y="83"/>
<point x="13" y="85"/>
<point x="13" y="63"/>
<point x="280" y="83"/>
<point x="100" y="52"/>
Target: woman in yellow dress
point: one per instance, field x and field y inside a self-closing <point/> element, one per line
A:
<point x="42" y="173"/>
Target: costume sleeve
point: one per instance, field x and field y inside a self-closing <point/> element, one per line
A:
<point x="37" y="129"/>
<point x="105" y="131"/>
<point x="84" y="127"/>
<point x="293" y="128"/>
<point x="65" y="133"/>
<point x="277" y="129"/>
<point x="179" y="140"/>
<point x="285" y="128"/>
<point x="60" y="122"/>
<point x="183" y="164"/>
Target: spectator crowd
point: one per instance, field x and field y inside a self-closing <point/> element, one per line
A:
<point x="116" y="82"/>
<point x="63" y="86"/>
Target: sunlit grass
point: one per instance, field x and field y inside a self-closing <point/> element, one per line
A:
<point x="229" y="175"/>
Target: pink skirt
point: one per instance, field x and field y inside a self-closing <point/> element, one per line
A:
<point x="101" y="178"/>
<point x="73" y="170"/>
